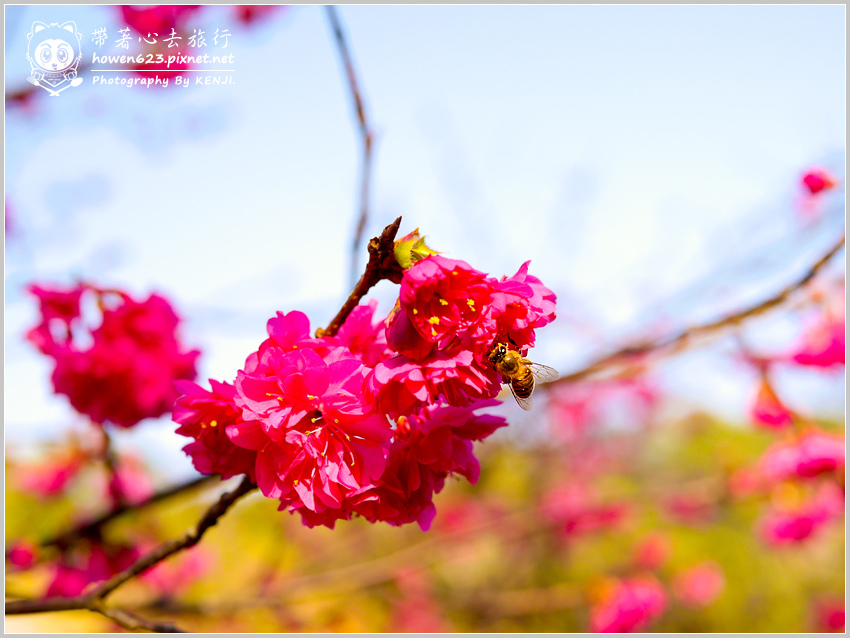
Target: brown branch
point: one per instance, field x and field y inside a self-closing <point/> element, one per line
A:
<point x="95" y="599"/>
<point x="681" y="340"/>
<point x="382" y="265"/>
<point x="92" y="529"/>
<point x="365" y="130"/>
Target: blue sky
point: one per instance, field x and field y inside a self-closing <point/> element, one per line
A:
<point x="628" y="151"/>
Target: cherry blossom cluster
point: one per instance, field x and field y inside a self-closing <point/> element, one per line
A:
<point x="804" y="470"/>
<point x="372" y="420"/>
<point x="120" y="371"/>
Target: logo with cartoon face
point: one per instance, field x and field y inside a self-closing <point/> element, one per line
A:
<point x="54" y="54"/>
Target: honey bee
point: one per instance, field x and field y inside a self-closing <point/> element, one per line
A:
<point x="520" y="373"/>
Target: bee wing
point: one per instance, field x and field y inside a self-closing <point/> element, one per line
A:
<point x="543" y="374"/>
<point x="523" y="402"/>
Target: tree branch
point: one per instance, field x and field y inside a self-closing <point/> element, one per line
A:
<point x="682" y="339"/>
<point x="366" y="135"/>
<point x="95" y="599"/>
<point x="92" y="529"/>
<point x="382" y="265"/>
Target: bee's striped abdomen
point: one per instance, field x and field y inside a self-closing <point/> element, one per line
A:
<point x="523" y="383"/>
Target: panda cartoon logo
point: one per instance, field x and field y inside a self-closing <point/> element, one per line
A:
<point x="54" y="54"/>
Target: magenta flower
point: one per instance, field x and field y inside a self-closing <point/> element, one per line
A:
<point x="365" y="339"/>
<point x="320" y="444"/>
<point x="805" y="456"/>
<point x="576" y="511"/>
<point x="520" y="305"/>
<point x="823" y="343"/>
<point x="22" y="554"/>
<point x="444" y="297"/>
<point x="786" y="525"/>
<point x="400" y="386"/>
<point x="52" y="476"/>
<point x="74" y="572"/>
<point x="768" y="411"/>
<point x="58" y="309"/>
<point x="817" y="180"/>
<point x="428" y="446"/>
<point x="204" y="416"/>
<point x="628" y="605"/>
<point x="700" y="585"/>
<point x="127" y="372"/>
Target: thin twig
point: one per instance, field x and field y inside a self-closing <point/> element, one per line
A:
<point x="92" y="529"/>
<point x="382" y="265"/>
<point x="365" y="130"/>
<point x="682" y="339"/>
<point x="95" y="599"/>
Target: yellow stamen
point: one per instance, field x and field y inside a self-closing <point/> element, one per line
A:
<point x="434" y="320"/>
<point x="470" y="303"/>
<point x="444" y="302"/>
<point x="213" y="423"/>
<point x="295" y="482"/>
<point x="415" y="311"/>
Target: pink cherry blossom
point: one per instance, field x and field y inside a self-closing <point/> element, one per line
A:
<point x="320" y="444"/>
<point x="576" y="510"/>
<point x="51" y="476"/>
<point x="157" y="19"/>
<point x="700" y="585"/>
<point x="829" y="614"/>
<point x="174" y="576"/>
<point x="205" y="415"/>
<point x="415" y="610"/>
<point x="444" y="297"/>
<point x="130" y="483"/>
<point x="628" y="605"/>
<point x="785" y="525"/>
<point x="768" y="411"/>
<point x="126" y="373"/>
<point x="22" y="554"/>
<point x="365" y="338"/>
<point x="75" y="571"/>
<point x="653" y="551"/>
<point x="822" y="345"/>
<point x="520" y="305"/>
<point x="401" y="386"/>
<point x="817" y="180"/>
<point x="805" y="456"/>
<point x="428" y="447"/>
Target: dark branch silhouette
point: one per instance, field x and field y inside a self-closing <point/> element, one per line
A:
<point x="686" y="336"/>
<point x="365" y="130"/>
<point x="382" y="265"/>
<point x="95" y="599"/>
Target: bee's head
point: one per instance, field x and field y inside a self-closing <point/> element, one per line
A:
<point x="498" y="353"/>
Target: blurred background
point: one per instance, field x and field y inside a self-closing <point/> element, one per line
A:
<point x="647" y="160"/>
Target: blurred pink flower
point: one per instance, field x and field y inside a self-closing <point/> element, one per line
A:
<point x="822" y="345"/>
<point x="22" y="554"/>
<point x="805" y="456"/>
<point x="576" y="510"/>
<point x="817" y="180"/>
<point x="789" y="524"/>
<point x="131" y="482"/>
<point x="156" y="19"/>
<point x="416" y="611"/>
<point x="127" y="372"/>
<point x="253" y="13"/>
<point x="829" y="614"/>
<point x="76" y="569"/>
<point x="628" y="605"/>
<point x="577" y="408"/>
<point x="174" y="576"/>
<point x="653" y="551"/>
<point x="700" y="585"/>
<point x="51" y="476"/>
<point x="768" y="411"/>
<point x="691" y="508"/>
